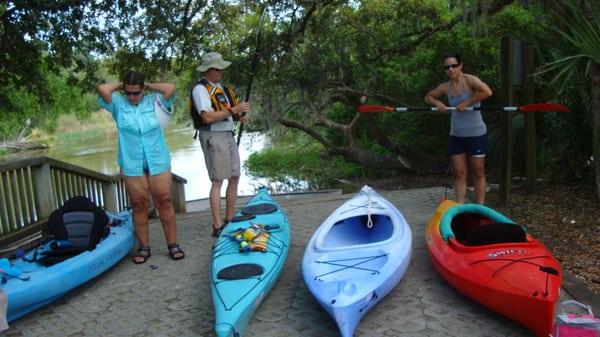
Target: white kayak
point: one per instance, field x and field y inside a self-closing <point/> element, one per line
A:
<point x="356" y="257"/>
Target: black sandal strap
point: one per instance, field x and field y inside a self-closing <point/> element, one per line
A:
<point x="217" y="231"/>
<point x="143" y="251"/>
<point x="143" y="254"/>
<point x="175" y="249"/>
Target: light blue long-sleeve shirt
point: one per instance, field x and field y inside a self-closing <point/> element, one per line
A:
<point x="140" y="137"/>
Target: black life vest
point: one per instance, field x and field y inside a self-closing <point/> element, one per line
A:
<point x="220" y="99"/>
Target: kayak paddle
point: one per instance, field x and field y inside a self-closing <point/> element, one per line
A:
<point x="525" y="108"/>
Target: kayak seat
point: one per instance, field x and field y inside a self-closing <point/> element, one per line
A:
<point x="262" y="208"/>
<point x="462" y="224"/>
<point x="80" y="222"/>
<point x="240" y="271"/>
<point x="495" y="233"/>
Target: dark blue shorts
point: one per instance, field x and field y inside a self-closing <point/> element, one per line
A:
<point x="145" y="166"/>
<point x="472" y="146"/>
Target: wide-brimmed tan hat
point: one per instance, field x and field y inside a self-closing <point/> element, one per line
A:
<point x="212" y="60"/>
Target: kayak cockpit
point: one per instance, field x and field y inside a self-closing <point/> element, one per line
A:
<point x="489" y="233"/>
<point x="477" y="225"/>
<point x="358" y="230"/>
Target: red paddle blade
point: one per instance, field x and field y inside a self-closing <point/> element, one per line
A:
<point x="375" y="108"/>
<point x="544" y="107"/>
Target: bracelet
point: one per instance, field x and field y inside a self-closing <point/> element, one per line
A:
<point x="230" y="111"/>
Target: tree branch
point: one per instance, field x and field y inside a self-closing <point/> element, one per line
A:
<point x="311" y="132"/>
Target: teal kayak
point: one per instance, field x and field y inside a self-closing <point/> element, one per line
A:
<point x="247" y="260"/>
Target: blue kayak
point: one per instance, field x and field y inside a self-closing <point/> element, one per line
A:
<point x="247" y="260"/>
<point x="356" y="257"/>
<point x="30" y="285"/>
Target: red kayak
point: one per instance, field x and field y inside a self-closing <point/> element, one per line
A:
<point x="486" y="256"/>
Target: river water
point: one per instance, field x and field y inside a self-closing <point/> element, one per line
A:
<point x="187" y="160"/>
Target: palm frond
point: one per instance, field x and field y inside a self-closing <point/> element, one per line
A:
<point x="578" y="33"/>
<point x="581" y="32"/>
<point x="565" y="76"/>
<point x="564" y="68"/>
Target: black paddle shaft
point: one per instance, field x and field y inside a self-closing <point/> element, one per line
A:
<point x="252" y="72"/>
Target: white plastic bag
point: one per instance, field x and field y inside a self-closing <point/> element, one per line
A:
<point x="163" y="114"/>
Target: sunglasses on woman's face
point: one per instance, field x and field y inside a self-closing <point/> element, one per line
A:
<point x="453" y="66"/>
<point x="132" y="93"/>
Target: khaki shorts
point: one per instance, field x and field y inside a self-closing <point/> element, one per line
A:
<point x="221" y="154"/>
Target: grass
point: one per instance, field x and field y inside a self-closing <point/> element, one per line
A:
<point x="304" y="160"/>
<point x="71" y="129"/>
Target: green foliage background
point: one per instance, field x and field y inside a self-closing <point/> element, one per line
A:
<point x="315" y="56"/>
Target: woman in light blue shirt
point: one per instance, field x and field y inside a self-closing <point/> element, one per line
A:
<point x="143" y="155"/>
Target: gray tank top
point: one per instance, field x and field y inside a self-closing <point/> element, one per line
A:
<point x="465" y="123"/>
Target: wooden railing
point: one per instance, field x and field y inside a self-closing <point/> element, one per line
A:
<point x="30" y="189"/>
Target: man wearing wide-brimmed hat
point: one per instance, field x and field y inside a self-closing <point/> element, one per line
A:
<point x="218" y="109"/>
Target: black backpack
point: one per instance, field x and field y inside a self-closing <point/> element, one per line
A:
<point x="80" y="223"/>
<point x="198" y="122"/>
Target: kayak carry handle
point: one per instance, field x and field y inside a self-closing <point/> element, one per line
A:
<point x="549" y="270"/>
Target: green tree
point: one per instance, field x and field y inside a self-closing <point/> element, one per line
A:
<point x="389" y="51"/>
<point x="45" y="45"/>
<point x="36" y="36"/>
<point x="318" y="59"/>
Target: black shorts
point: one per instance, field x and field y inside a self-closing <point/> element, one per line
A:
<point x="472" y="146"/>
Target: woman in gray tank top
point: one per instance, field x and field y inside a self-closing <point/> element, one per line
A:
<point x="468" y="132"/>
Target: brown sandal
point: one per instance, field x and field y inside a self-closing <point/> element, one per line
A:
<point x="142" y="255"/>
<point x="175" y="251"/>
